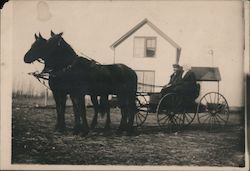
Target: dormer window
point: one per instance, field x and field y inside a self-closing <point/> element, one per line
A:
<point x="145" y="47"/>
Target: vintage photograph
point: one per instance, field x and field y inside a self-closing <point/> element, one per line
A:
<point x="124" y="83"/>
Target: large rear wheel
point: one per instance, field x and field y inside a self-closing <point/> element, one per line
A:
<point x="213" y="110"/>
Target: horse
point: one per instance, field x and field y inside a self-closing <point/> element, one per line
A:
<point x="78" y="76"/>
<point x="99" y="107"/>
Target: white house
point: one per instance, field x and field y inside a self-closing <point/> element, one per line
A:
<point x="150" y="52"/>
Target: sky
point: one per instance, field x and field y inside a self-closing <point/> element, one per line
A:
<point x="209" y="32"/>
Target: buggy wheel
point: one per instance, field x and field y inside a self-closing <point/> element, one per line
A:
<point x="141" y="110"/>
<point x="171" y="114"/>
<point x="187" y="118"/>
<point x="213" y="110"/>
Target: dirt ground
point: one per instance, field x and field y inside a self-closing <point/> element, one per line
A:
<point x="34" y="141"/>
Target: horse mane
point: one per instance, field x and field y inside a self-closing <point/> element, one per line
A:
<point x="66" y="48"/>
<point x="65" y="57"/>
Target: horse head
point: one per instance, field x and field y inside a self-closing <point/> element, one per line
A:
<point x="37" y="50"/>
<point x="59" y="53"/>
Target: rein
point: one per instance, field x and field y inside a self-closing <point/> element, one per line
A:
<point x="149" y="85"/>
<point x="87" y="57"/>
<point x="40" y="76"/>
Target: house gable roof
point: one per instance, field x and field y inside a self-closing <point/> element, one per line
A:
<point x="137" y="27"/>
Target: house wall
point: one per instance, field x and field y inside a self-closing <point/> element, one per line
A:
<point x="161" y="63"/>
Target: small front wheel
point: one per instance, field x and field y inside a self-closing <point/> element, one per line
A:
<point x="141" y="110"/>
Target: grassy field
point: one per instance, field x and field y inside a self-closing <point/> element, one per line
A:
<point x="35" y="142"/>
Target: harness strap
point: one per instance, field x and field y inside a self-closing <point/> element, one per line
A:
<point x="150" y="85"/>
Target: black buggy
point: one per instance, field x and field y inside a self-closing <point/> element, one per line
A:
<point x="175" y="112"/>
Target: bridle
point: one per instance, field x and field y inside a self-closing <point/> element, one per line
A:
<point x="40" y="61"/>
<point x="42" y="76"/>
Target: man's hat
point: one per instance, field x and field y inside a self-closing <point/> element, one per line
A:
<point x="176" y="66"/>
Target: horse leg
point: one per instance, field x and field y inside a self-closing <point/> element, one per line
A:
<point x="95" y="104"/>
<point x="85" y="126"/>
<point x="60" y="99"/>
<point x="131" y="115"/>
<point x="79" y="111"/>
<point x="105" y="102"/>
<point x="123" y="122"/>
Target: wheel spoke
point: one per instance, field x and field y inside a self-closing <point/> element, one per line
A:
<point x="174" y="121"/>
<point x="215" y="95"/>
<point x="210" y="97"/>
<point x="187" y="119"/>
<point x="217" y="120"/>
<point x="178" y="118"/>
<point x="142" y="116"/>
<point x="163" y="117"/>
<point x="139" y="118"/>
<point x="206" y="99"/>
<point x="206" y="119"/>
<point x="214" y="120"/>
<point x="204" y="115"/>
<point x="210" y="123"/>
<point x="168" y="119"/>
<point x="218" y="98"/>
<point x="218" y="116"/>
<point x="184" y="118"/>
<point x="188" y="116"/>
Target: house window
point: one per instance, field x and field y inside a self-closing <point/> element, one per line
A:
<point x="144" y="46"/>
<point x="146" y="81"/>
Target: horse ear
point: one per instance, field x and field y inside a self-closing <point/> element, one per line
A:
<point x="60" y="34"/>
<point x="36" y="37"/>
<point x="40" y="36"/>
<point x="52" y="33"/>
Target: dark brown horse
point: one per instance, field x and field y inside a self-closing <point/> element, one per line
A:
<point x="78" y="76"/>
<point x="101" y="106"/>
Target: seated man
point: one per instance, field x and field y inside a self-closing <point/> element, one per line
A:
<point x="187" y="85"/>
<point x="175" y="79"/>
<point x="184" y="83"/>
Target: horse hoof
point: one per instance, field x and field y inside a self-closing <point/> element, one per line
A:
<point x="59" y="129"/>
<point x="92" y="126"/>
<point x="107" y="127"/>
<point x="132" y="132"/>
<point x="76" y="131"/>
<point x="84" y="133"/>
<point x="119" y="132"/>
